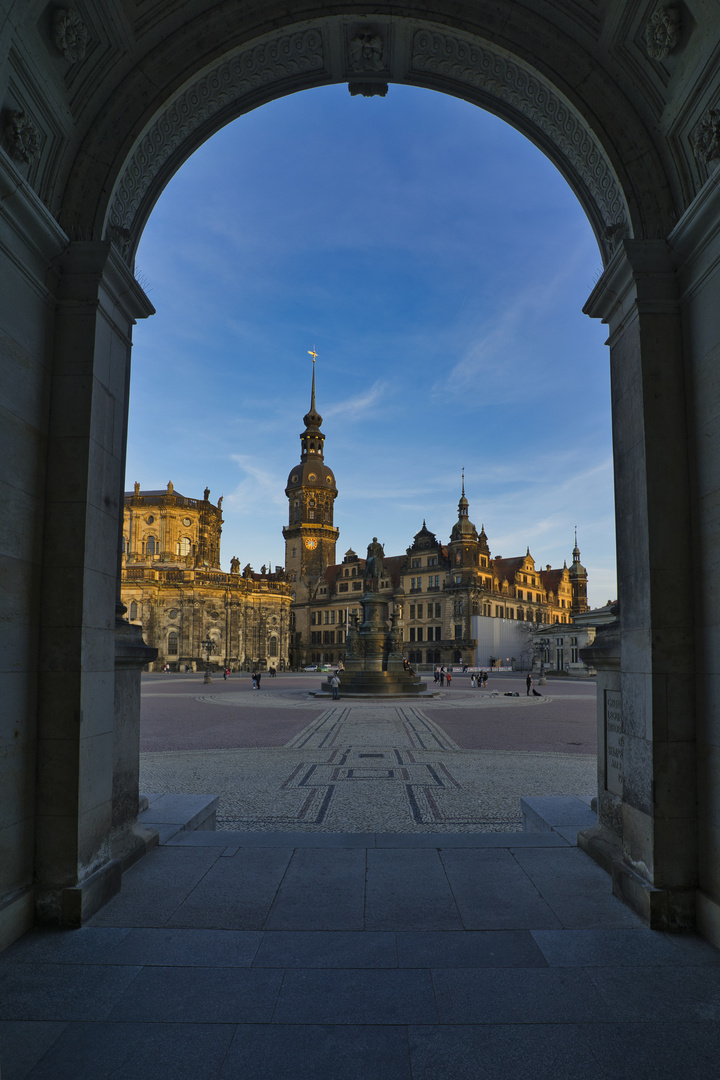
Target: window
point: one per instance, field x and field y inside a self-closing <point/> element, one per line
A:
<point x="357" y="584"/>
<point x="420" y="611"/>
<point x="519" y="594"/>
<point x="412" y="611"/>
<point x="432" y="561"/>
<point x="419" y="633"/>
<point x="437" y="635"/>
<point x="412" y="633"/>
<point x="311" y="515"/>
<point x="315" y="636"/>
<point x="134" y="610"/>
<point x="458" y="610"/>
<point x="172" y="643"/>
<point x="458" y="557"/>
<point x="573" y="653"/>
<point x="294" y="552"/>
<point x="458" y="579"/>
<point x="438" y="611"/>
<point x="150" y="546"/>
<point x="343" y="586"/>
<point x="327" y="617"/>
<point x="273" y="646"/>
<point x="332" y="617"/>
<point x="458" y="633"/>
<point x="434" y="581"/>
<point x="415" y="563"/>
<point x="328" y="637"/>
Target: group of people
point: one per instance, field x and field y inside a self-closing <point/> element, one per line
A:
<point x="442" y="675"/>
<point x="256" y="680"/>
<point x="479" y="680"/>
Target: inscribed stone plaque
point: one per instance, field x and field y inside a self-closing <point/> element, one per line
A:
<point x="613" y="742"/>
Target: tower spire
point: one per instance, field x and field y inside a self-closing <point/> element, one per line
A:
<point x="311" y="352"/>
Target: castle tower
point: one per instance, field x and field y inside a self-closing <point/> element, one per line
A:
<point x="578" y="582"/>
<point x="310" y="536"/>
<point x="464" y="541"/>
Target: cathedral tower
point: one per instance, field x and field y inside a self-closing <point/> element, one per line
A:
<point x="310" y="536"/>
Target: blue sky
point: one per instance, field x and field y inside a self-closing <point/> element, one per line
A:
<point x="438" y="263"/>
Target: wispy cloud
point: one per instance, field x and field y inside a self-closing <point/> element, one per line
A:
<point x="356" y="406"/>
<point x="257" y="488"/>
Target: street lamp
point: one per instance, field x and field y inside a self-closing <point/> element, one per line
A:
<point x="207" y="646"/>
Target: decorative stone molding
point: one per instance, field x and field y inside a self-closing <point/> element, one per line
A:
<point x="284" y="57"/>
<point x="368" y="89"/>
<point x="366" y="51"/>
<point x="70" y="34"/>
<point x="662" y="33"/>
<point x="706" y="137"/>
<point x="23" y="138"/>
<point x="505" y="80"/>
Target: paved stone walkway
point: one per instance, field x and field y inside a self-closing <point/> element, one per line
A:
<point x="370" y="766"/>
<point x="361" y="957"/>
<point x="312" y="954"/>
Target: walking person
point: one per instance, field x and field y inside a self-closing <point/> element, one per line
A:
<point x="528" y="684"/>
<point x="442" y="675"/>
<point x="437" y="675"/>
<point x="449" y="678"/>
<point x="335" y="683"/>
<point x="472" y="679"/>
<point x="254" y="680"/>
<point x="257" y="677"/>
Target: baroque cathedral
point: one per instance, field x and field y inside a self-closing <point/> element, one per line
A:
<point x="173" y="586"/>
<point x="443" y="594"/>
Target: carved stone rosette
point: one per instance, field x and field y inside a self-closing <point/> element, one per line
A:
<point x="70" y="34"/>
<point x="662" y="32"/>
<point x="22" y="137"/>
<point x="706" y="137"/>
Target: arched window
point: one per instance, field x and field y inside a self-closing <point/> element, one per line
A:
<point x="273" y="646"/>
<point x="134" y="610"/>
<point x="185" y="545"/>
<point x="150" y="546"/>
<point x="172" y="643"/>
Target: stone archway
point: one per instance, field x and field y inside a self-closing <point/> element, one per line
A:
<point x="603" y="96"/>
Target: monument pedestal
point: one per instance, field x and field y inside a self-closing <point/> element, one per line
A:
<point x="373" y="661"/>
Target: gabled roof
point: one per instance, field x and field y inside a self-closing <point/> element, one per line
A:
<point x="506" y="569"/>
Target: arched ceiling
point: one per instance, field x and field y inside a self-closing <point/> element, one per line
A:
<point x="120" y="110"/>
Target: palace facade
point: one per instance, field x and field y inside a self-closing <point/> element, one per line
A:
<point x="442" y="593"/>
<point x="173" y="586"/>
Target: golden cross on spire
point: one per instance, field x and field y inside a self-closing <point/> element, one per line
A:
<point x="311" y="352"/>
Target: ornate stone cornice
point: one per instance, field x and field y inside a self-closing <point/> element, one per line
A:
<point x="283" y="57"/>
<point x="505" y="80"/>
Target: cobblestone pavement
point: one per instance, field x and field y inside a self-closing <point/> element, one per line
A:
<point x="281" y="759"/>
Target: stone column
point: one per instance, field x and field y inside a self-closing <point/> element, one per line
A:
<point x="655" y="870"/>
<point x="98" y="301"/>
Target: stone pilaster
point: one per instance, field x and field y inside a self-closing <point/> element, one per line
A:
<point x="656" y="870"/>
<point x="98" y="301"/>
